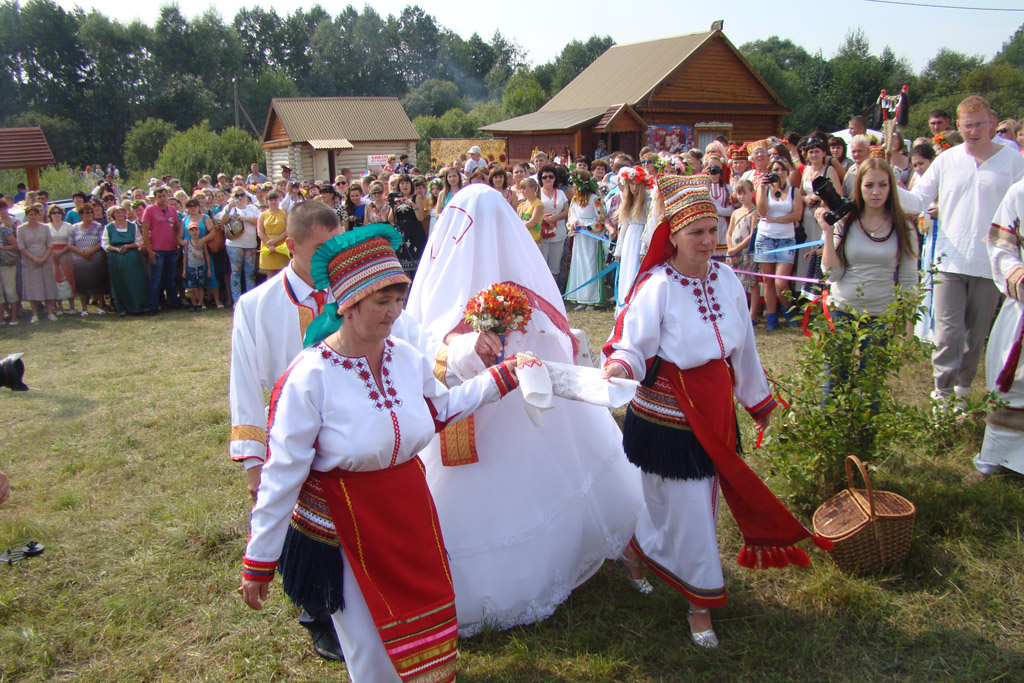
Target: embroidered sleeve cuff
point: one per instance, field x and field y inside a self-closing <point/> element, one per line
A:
<point x="624" y="364"/>
<point x="441" y="366"/>
<point x="504" y="378"/>
<point x="254" y="570"/>
<point x="1015" y="283"/>
<point x="764" y="407"/>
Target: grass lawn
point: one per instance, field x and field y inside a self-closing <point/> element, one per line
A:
<point x="118" y="460"/>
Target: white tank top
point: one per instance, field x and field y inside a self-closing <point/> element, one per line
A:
<point x="776" y="208"/>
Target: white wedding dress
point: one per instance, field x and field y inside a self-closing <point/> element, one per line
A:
<point x="543" y="507"/>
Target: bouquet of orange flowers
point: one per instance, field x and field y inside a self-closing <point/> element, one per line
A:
<point x="941" y="141"/>
<point x="500" y="308"/>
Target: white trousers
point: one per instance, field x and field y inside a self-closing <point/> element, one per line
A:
<point x="365" y="657"/>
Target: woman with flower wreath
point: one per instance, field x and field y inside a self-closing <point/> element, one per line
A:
<point x="343" y="507"/>
<point x="632" y="219"/>
<point x="586" y="214"/>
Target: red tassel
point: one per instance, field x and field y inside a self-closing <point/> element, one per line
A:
<point x="822" y="543"/>
<point x="747" y="558"/>
<point x="797" y="556"/>
<point x="760" y="438"/>
<point x="781" y="400"/>
<point x="1005" y="379"/>
<point x="766" y="559"/>
<point x="781" y="561"/>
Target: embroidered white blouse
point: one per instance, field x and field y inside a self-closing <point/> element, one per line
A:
<point x="690" y="322"/>
<point x="327" y="411"/>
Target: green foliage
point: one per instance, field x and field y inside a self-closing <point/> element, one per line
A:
<point x="432" y="97"/>
<point x="60" y="181"/>
<point x="198" y="150"/>
<point x="454" y="123"/>
<point x="523" y="94"/>
<point x="144" y="143"/>
<point x="575" y="57"/>
<point x="843" y="403"/>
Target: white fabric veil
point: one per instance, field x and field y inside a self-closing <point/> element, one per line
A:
<point x="479" y="241"/>
<point x="544" y="506"/>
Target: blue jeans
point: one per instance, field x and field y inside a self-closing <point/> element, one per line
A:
<point x="242" y="261"/>
<point x="762" y="244"/>
<point x="162" y="277"/>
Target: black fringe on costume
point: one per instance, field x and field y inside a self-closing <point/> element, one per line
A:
<point x="311" y="573"/>
<point x="665" y="451"/>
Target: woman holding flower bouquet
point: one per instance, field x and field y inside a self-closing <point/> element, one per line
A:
<point x="586" y="214"/>
<point x="528" y="513"/>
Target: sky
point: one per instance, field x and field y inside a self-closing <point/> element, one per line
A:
<point x="543" y="29"/>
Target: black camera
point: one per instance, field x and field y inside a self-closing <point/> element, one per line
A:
<point x="838" y="206"/>
<point x="393" y="198"/>
<point x="771" y="178"/>
<point x="715" y="170"/>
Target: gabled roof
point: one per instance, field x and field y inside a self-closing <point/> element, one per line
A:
<point x="355" y="119"/>
<point x="616" y="111"/>
<point x="547" y="120"/>
<point x="24" y="148"/>
<point x="627" y="73"/>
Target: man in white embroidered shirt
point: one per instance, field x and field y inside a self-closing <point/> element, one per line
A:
<point x="968" y="182"/>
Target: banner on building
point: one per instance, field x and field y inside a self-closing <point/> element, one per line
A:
<point x="671" y="139"/>
<point x="445" y="151"/>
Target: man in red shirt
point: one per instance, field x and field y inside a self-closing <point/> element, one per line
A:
<point x="162" y="236"/>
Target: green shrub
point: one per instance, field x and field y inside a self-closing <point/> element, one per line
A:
<point x="60" y="181"/>
<point x="198" y="150"/>
<point x="857" y="413"/>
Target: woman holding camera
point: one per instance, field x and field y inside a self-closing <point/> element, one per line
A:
<point x="816" y="152"/>
<point x="407" y="212"/>
<point x="873" y="249"/>
<point x="378" y="210"/>
<point x="780" y="206"/>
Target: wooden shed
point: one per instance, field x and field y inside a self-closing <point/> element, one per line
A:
<point x="677" y="92"/>
<point x="318" y="136"/>
<point x="25" y="148"/>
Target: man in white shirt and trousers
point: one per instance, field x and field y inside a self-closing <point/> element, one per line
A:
<point x="267" y="333"/>
<point x="968" y="182"/>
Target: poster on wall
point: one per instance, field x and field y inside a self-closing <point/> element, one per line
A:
<point x="671" y="139"/>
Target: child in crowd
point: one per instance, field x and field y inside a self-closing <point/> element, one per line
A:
<point x="195" y="268"/>
<point x="740" y="233"/>
<point x="531" y="209"/>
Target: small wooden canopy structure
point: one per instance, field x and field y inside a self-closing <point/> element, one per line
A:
<point x="25" y="148"/>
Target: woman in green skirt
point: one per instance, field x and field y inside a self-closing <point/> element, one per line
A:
<point x="128" y="282"/>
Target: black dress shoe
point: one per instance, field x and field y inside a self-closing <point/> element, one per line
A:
<point x="325" y="644"/>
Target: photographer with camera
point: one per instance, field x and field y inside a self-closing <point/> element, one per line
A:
<point x="241" y="218"/>
<point x="780" y="206"/>
<point x="407" y="216"/>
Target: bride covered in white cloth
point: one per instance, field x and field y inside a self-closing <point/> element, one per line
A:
<point x="541" y="508"/>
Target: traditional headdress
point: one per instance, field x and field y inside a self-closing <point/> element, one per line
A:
<point x="686" y="199"/>
<point x="756" y="144"/>
<point x="876" y="152"/>
<point x="738" y="152"/>
<point x="353" y="266"/>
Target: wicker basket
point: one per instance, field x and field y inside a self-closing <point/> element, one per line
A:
<point x="870" y="529"/>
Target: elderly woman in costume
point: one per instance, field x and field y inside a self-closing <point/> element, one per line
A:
<point x="685" y="327"/>
<point x="528" y="512"/>
<point x="346" y="422"/>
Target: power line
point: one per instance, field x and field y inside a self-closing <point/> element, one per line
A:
<point x="936" y="6"/>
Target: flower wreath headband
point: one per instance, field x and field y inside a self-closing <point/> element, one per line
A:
<point x="590" y="185"/>
<point x="632" y="174"/>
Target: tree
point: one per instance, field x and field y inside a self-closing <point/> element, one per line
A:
<point x="198" y="150"/>
<point x="575" y="57"/>
<point x="945" y="73"/>
<point x="144" y="142"/>
<point x="256" y="95"/>
<point x="522" y="94"/>
<point x="1012" y="51"/>
<point x="432" y="97"/>
<point x="1002" y="84"/>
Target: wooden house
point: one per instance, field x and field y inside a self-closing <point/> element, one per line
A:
<point x="318" y="136"/>
<point x="677" y="92"/>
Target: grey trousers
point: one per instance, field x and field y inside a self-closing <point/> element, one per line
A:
<point x="964" y="307"/>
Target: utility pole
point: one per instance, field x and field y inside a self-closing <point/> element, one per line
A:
<point x="234" y="87"/>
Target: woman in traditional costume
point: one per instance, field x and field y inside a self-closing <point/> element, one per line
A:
<point x="686" y="328"/>
<point x="121" y="240"/>
<point x="528" y="512"/>
<point x="631" y="219"/>
<point x="1004" y="433"/>
<point x="346" y="422"/>
<point x="586" y="214"/>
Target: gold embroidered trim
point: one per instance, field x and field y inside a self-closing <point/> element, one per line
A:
<point x="441" y="366"/>
<point x="249" y="433"/>
<point x="458" y="443"/>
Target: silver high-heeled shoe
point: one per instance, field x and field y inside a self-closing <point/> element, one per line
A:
<point x="705" y="639"/>
<point x="641" y="585"/>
